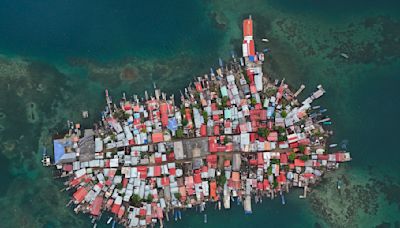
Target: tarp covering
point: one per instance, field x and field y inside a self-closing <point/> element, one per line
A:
<point x="59" y="150"/>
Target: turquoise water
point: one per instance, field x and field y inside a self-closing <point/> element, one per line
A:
<point x="58" y="57"/>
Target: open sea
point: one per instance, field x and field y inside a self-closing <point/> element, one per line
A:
<point x="57" y="57"/>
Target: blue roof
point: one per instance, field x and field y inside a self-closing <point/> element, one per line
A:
<point x="59" y="150"/>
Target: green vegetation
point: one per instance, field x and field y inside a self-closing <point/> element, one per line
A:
<point x="221" y="179"/>
<point x="179" y="133"/>
<point x="185" y="122"/>
<point x="113" y="137"/>
<point x="271" y="92"/>
<point x="269" y="170"/>
<point x="292" y="156"/>
<point x="119" y="186"/>
<point x="183" y="110"/>
<point x="275" y="161"/>
<point x="284" y="102"/>
<point x="281" y="130"/>
<point x="283" y="113"/>
<point x="135" y="200"/>
<point x="253" y="101"/>
<point x="318" y="133"/>
<point x="304" y="157"/>
<point x="205" y="116"/>
<point x="119" y="114"/>
<point x="224" y="101"/>
<point x="263" y="132"/>
<point x="177" y="195"/>
<point x="247" y="79"/>
<point x="149" y="198"/>
<point x="302" y="148"/>
<point x="226" y="140"/>
<point x="118" y="172"/>
<point x="196" y="106"/>
<point x="282" y="138"/>
<point x="275" y="183"/>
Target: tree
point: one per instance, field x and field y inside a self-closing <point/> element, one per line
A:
<point x="119" y="186"/>
<point x="205" y="116"/>
<point x="224" y="101"/>
<point x="292" y="156"/>
<point x="221" y="180"/>
<point x="269" y="170"/>
<point x="135" y="200"/>
<point x="304" y="157"/>
<point x="226" y="140"/>
<point x="282" y="138"/>
<point x="302" y="148"/>
<point x="283" y="113"/>
<point x="263" y="132"/>
<point x="149" y="198"/>
<point x="253" y="101"/>
<point x="177" y="195"/>
<point x="185" y="122"/>
<point x="281" y="130"/>
<point x="275" y="183"/>
<point x="179" y="133"/>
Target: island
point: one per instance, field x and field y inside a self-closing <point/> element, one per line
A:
<point x="235" y="135"/>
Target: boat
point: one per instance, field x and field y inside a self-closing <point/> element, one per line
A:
<point x="282" y="198"/>
<point x="180" y="215"/>
<point x="323" y="110"/>
<point x="327" y="123"/>
<point x="339" y="184"/>
<point x="316" y="107"/>
<point x="95" y="225"/>
<point x="221" y="64"/>
<point x="266" y="50"/>
<point x="109" y="220"/>
<point x="333" y="145"/>
<point x="205" y="218"/>
<point x="219" y="205"/>
<point x="344" y="55"/>
<point x="264" y="40"/>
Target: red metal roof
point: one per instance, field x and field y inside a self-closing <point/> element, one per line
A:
<point x="298" y="162"/>
<point x="248" y="27"/>
<point x="252" y="49"/>
<point x="95" y="207"/>
<point x="197" y="178"/>
<point x="203" y="130"/>
<point x="157" y="137"/>
<point x="157" y="171"/>
<point x="284" y="158"/>
<point x="80" y="194"/>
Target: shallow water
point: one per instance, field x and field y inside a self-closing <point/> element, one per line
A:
<point x="62" y="59"/>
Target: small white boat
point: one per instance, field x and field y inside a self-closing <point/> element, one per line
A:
<point x="344" y="55"/>
<point x="333" y="145"/>
<point x="109" y="220"/>
<point x="265" y="40"/>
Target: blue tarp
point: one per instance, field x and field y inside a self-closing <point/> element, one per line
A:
<point x="270" y="111"/>
<point x="251" y="58"/>
<point x="59" y="150"/>
<point x="172" y="124"/>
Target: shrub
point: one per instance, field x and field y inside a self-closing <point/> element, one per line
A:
<point x="292" y="156"/>
<point x="135" y="200"/>
<point x="179" y="133"/>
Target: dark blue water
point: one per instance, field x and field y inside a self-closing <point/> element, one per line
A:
<point x="103" y="29"/>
